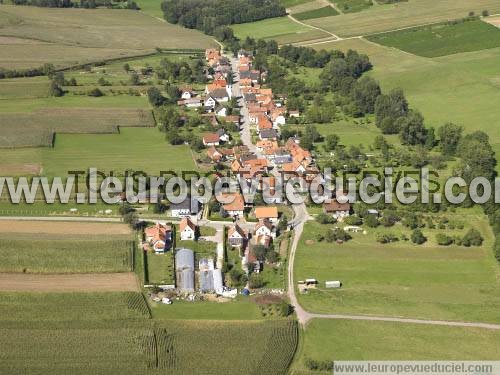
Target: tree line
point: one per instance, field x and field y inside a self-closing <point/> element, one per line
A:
<point x="209" y="15"/>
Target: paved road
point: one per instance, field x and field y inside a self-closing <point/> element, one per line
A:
<point x="246" y="135"/>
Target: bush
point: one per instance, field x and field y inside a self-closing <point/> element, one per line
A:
<point x="95" y="93"/>
<point x="443" y="239"/>
<point x="372" y="221"/>
<point x="325" y="219"/>
<point x="386" y="238"/>
<point x="472" y="238"/>
<point x="255" y="281"/>
<point x="353" y="220"/>
<point x="417" y="237"/>
<point x="337" y="234"/>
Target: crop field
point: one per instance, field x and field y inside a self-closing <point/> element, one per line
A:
<point x="402" y="14"/>
<point x="24" y="88"/>
<point x="331" y="340"/>
<point x="38" y="127"/>
<point x="461" y="88"/>
<point x="69" y="36"/>
<point x="108" y="332"/>
<point x="352" y="6"/>
<point x="283" y="29"/>
<point x="442" y="39"/>
<point x="193" y="341"/>
<point x="19" y="307"/>
<point x="402" y="279"/>
<point x="310" y="5"/>
<point x="56" y="254"/>
<point x="316" y="13"/>
<point x="69" y="283"/>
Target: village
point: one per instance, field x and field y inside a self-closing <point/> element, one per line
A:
<point x="257" y="232"/>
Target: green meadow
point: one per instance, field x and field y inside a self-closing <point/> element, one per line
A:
<point x="442" y="39"/>
<point x="133" y="149"/>
<point x="282" y="29"/>
<point x="345" y="340"/>
<point x="316" y="13"/>
<point x="379" y="18"/>
<point x="402" y="279"/>
<point x="462" y="88"/>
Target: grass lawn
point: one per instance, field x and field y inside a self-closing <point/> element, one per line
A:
<point x="352" y="6"/>
<point x="402" y="279"/>
<point x="145" y="150"/>
<point x="242" y="308"/>
<point x="276" y="28"/>
<point x="402" y="14"/>
<point x="316" y="13"/>
<point x="331" y="340"/>
<point x="462" y="88"/>
<point x="442" y="39"/>
<point x="161" y="268"/>
<point x="151" y="7"/>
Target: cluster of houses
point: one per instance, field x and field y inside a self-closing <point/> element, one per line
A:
<point x="272" y="159"/>
<point x="212" y="103"/>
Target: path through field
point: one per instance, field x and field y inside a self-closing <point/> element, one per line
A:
<point x="90" y="282"/>
<point x="314" y="27"/>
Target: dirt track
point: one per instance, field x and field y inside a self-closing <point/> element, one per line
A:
<point x="102" y="282"/>
<point x="62" y="227"/>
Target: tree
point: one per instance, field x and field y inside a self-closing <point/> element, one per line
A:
<point x="365" y="93"/>
<point x="338" y="234"/>
<point x="331" y="142"/>
<point x="449" y="138"/>
<point x="155" y="97"/>
<point x="472" y="238"/>
<point x="417" y="237"/>
<point x="260" y="252"/>
<point x="283" y="224"/>
<point x="388" y="108"/>
<point x="134" y="79"/>
<point x="478" y="157"/>
<point x="412" y="130"/>
<point x="371" y="221"/>
<point x="55" y="90"/>
<point x="126" y="67"/>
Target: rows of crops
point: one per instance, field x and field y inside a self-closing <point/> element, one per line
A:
<point x="24" y="307"/>
<point x="201" y="347"/>
<point x="65" y="256"/>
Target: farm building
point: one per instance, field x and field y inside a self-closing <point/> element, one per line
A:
<point x="184" y="270"/>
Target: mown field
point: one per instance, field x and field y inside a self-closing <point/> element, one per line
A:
<point x="402" y="14"/>
<point x="34" y="36"/>
<point x="462" y="88"/>
<point x="282" y="29"/>
<point x="316" y="13"/>
<point x="57" y="254"/>
<point x="109" y="332"/>
<point x="402" y="279"/>
<point x="352" y="6"/>
<point x="38" y="128"/>
<point x="331" y="340"/>
<point x="442" y="39"/>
